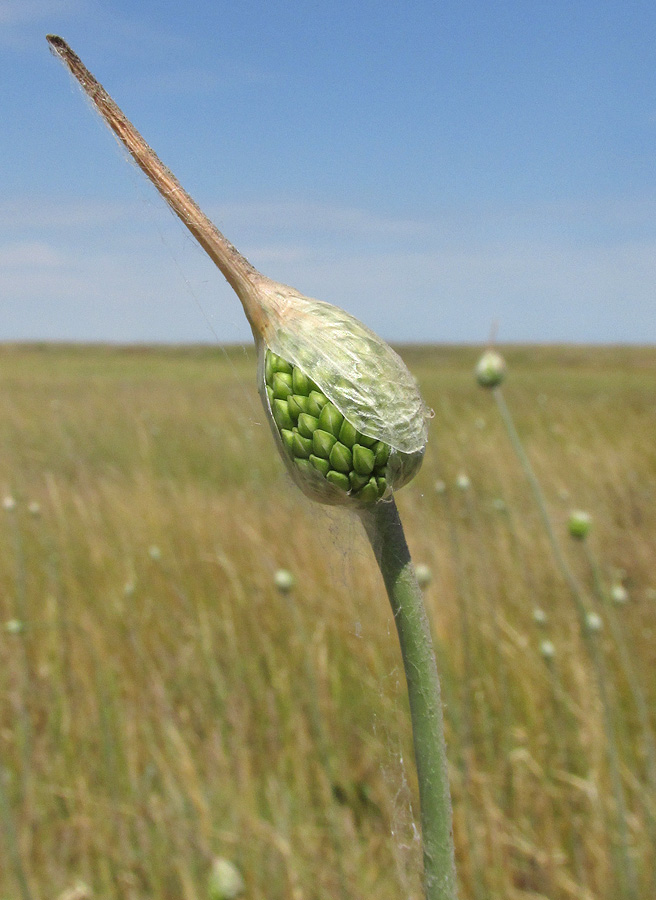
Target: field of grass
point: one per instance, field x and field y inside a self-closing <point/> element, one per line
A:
<point x="163" y="704"/>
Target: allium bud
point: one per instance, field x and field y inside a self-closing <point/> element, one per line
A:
<point x="579" y="524"/>
<point x="490" y="369"/>
<point x="327" y="351"/>
<point x="593" y="622"/>
<point x="547" y="650"/>
<point x="423" y="574"/>
<point x="619" y="594"/>
<point x="463" y="482"/>
<point x="225" y="881"/>
<point x="347" y="416"/>
<point x="284" y="581"/>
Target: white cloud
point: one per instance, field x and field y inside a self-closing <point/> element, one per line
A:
<point x="313" y="218"/>
<point x="47" y="212"/>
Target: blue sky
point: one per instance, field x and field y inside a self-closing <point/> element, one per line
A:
<point x="433" y="167"/>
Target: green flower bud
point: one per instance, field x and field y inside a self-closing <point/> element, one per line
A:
<point x="579" y="524"/>
<point x="347" y="434"/>
<point x="284" y="581"/>
<point x="330" y="419"/>
<point x="301" y="446"/>
<point x="225" y="881"/>
<point x="363" y="459"/>
<point x="323" y="443"/>
<point x="307" y="425"/>
<point x="593" y="622"/>
<point x="547" y="650"/>
<point x="490" y="369"/>
<point x="423" y="575"/>
<point x="281" y="415"/>
<point x="339" y="480"/>
<point x="282" y="385"/>
<point x="322" y="465"/>
<point x="341" y="458"/>
<point x="619" y="594"/>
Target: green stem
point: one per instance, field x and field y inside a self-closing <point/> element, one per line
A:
<point x="385" y="532"/>
<point x="627" y="873"/>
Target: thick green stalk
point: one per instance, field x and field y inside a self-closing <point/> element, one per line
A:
<point x="385" y="532"/>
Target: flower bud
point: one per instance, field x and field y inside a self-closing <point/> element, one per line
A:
<point x="579" y="524"/>
<point x="593" y="622"/>
<point x="490" y="369"/>
<point x="346" y="414"/>
<point x="284" y="581"/>
<point x="225" y="881"/>
<point x="619" y="594"/>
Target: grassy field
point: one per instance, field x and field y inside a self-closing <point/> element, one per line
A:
<point x="162" y="704"/>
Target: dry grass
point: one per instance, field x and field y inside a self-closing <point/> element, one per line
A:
<point x="162" y="703"/>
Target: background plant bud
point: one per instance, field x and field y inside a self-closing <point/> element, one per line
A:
<point x="579" y="523"/>
<point x="490" y="369"/>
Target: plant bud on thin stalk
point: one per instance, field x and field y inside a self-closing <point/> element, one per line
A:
<point x="350" y="424"/>
<point x="351" y="367"/>
<point x="490" y="369"/>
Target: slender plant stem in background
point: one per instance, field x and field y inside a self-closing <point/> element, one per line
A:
<point x="385" y="532"/>
<point x="635" y="686"/>
<point x="628" y="876"/>
<point x="11" y="839"/>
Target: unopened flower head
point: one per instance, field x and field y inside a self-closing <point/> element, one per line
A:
<point x="351" y="427"/>
<point x="8" y="503"/>
<point x="225" y="881"/>
<point x="490" y="369"/>
<point x="619" y="594"/>
<point x="14" y="626"/>
<point x="593" y="622"/>
<point x="547" y="650"/>
<point x="539" y="616"/>
<point x="579" y="524"/>
<point x="423" y="574"/>
<point x="355" y="428"/>
<point x="462" y="482"/>
<point x="284" y="581"/>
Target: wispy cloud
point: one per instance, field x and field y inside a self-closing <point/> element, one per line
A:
<point x="25" y="12"/>
<point x="49" y="212"/>
<point x="30" y="255"/>
<point x="320" y="218"/>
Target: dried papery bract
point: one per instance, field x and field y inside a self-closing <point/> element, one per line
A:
<point x="356" y="370"/>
